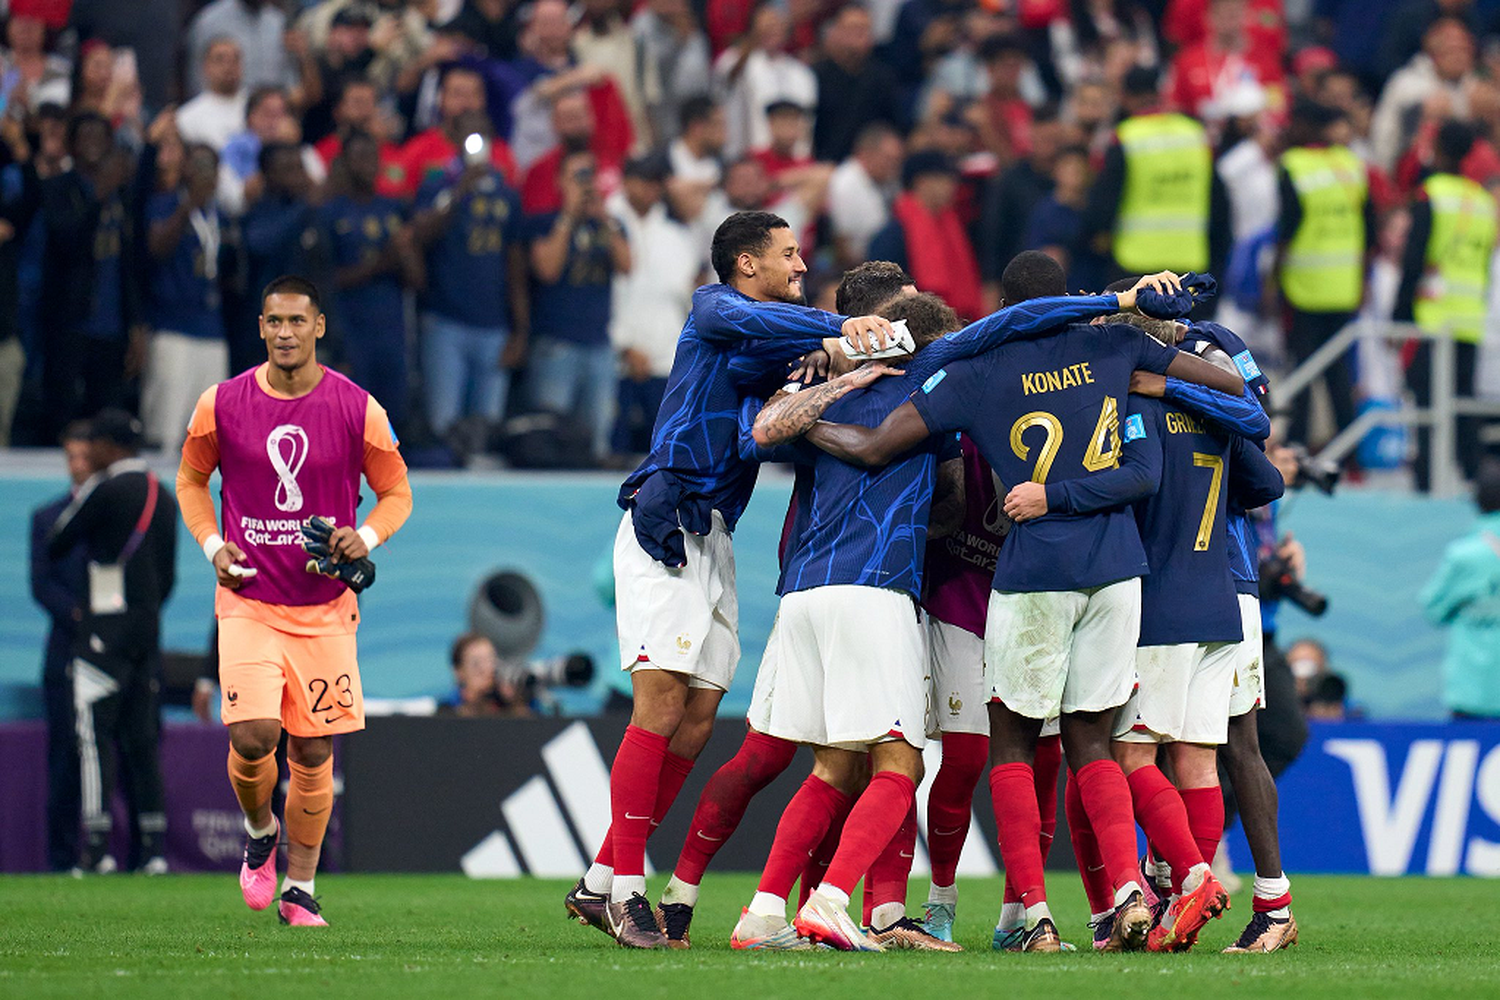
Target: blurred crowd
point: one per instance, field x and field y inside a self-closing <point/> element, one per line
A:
<point x="511" y="200"/>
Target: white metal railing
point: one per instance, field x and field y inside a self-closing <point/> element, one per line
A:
<point x="1441" y="415"/>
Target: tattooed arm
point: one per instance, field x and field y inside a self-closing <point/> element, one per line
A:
<point x="789" y="415"/>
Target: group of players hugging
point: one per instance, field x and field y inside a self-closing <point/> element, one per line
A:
<point x="1025" y="536"/>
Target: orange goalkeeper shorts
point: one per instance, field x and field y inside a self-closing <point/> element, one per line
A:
<point x="309" y="682"/>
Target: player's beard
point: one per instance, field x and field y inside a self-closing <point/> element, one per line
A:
<point x="796" y="298"/>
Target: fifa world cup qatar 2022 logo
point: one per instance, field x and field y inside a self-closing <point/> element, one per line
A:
<point x="286" y="446"/>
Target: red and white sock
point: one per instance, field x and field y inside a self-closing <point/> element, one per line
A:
<point x="890" y="872"/>
<point x="1096" y="883"/>
<point x="803" y="823"/>
<point x="872" y="823"/>
<point x="758" y="762"/>
<point x="1273" y="896"/>
<point x="1160" y="812"/>
<point x="1106" y="799"/>
<point x="633" y="783"/>
<point x="1013" y="794"/>
<point x="950" y="802"/>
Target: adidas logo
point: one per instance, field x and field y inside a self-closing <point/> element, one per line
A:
<point x="553" y="822"/>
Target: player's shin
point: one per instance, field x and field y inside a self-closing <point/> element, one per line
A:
<point x="950" y="804"/>
<point x="822" y="856"/>
<point x="633" y="782"/>
<point x="1045" y="766"/>
<point x="804" y="822"/>
<point x="1160" y="811"/>
<point x="1205" y="815"/>
<point x="725" y="798"/>
<point x="890" y="872"/>
<point x="1096" y="883"/>
<point x="1013" y="792"/>
<point x="309" y="804"/>
<point x="872" y="824"/>
<point x="254" y="782"/>
<point x="1106" y="798"/>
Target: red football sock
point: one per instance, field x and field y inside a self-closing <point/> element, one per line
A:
<point x="950" y="802"/>
<point x="674" y="772"/>
<point x="803" y="823"/>
<point x="1045" y="764"/>
<point x="633" y="783"/>
<point x="1106" y="798"/>
<point x="817" y="865"/>
<point x="892" y="868"/>
<point x="1159" y="811"/>
<point x="1013" y="791"/>
<point x="872" y="823"/>
<point x="722" y="805"/>
<point x="1205" y="814"/>
<point x="1086" y="851"/>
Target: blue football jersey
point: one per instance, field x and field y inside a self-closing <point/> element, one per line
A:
<point x="729" y="341"/>
<point x="865" y="527"/>
<point x="1049" y="411"/>
<point x="1189" y="595"/>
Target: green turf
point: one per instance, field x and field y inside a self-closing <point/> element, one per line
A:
<point x="190" y="936"/>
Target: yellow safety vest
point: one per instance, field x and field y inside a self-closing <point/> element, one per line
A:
<point x="1324" y="266"/>
<point x="1163" y="217"/>
<point x="1455" y="283"/>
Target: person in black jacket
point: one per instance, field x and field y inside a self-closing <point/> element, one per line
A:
<point x="19" y="198"/>
<point x="128" y="524"/>
<point x="89" y="307"/>
<point x="59" y="585"/>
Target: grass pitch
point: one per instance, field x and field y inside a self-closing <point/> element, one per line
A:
<point x="401" y="936"/>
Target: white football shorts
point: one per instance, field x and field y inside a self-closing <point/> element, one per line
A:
<point x="845" y="667"/>
<point x="1183" y="695"/>
<point x="956" y="694"/>
<point x="1249" y="677"/>
<point x="1052" y="652"/>
<point x="684" y="620"/>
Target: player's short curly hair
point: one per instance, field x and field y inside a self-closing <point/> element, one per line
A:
<point x="1163" y="331"/>
<point x="864" y="289"/>
<point x="927" y="316"/>
<point x="1032" y="275"/>
<point x="742" y="232"/>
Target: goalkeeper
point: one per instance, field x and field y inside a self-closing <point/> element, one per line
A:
<point x="290" y="440"/>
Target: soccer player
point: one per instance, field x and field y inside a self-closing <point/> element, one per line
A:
<point x="677" y="610"/>
<point x="1065" y="604"/>
<point x="1272" y="926"/>
<point x="290" y="439"/>
<point x="848" y="646"/>
<point x="761" y="757"/>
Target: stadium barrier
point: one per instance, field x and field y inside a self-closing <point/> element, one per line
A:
<point x="507" y="797"/>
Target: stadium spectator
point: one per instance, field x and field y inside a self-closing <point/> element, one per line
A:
<point x="1441" y="75"/>
<point x="19" y="199"/>
<point x="152" y="29"/>
<point x="461" y="95"/>
<point x="676" y="49"/>
<point x="650" y="301"/>
<point x="267" y="119"/>
<point x="374" y="257"/>
<point x="474" y="308"/>
<point x="1325" y="226"/>
<point x="854" y="89"/>
<point x="698" y="150"/>
<point x="927" y="238"/>
<point x="105" y="81"/>
<point x="575" y="253"/>
<point x="186" y="257"/>
<point x="1056" y="222"/>
<point x="1010" y="196"/>
<point x="573" y="124"/>
<point x="1209" y="73"/>
<point x="358" y="109"/>
<point x="1004" y="116"/>
<point x="1461" y="596"/>
<point x="756" y="72"/>
<point x="218" y="110"/>
<point x="1445" y="285"/>
<point x="788" y="149"/>
<point x="861" y="190"/>
<point x="603" y="40"/>
<point x="493" y="25"/>
<point x="89" y="306"/>
<point x="1401" y="35"/>
<point x="59" y="585"/>
<point x="40" y="77"/>
<point x="479" y="689"/>
<point x="258" y="29"/>
<point x="280" y="235"/>
<point x="346" y="57"/>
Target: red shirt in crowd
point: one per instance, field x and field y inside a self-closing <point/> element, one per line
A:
<point x="433" y="150"/>
<point x="541" y="191"/>
<point x="391" y="181"/>
<point x="776" y="164"/>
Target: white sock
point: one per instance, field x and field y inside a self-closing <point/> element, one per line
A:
<point x="1036" y="913"/>
<point x="598" y="878"/>
<point x="678" y="891"/>
<point x="943" y="894"/>
<point x="1012" y="915"/>
<point x="1194" y="877"/>
<point x="839" y="897"/>
<point x="262" y="831"/>
<point x="622" y="887"/>
<point x="291" y="883"/>
<point x="766" y="905"/>
<point x="1272" y="888"/>
<point x="1123" y="893"/>
<point x="886" y="914"/>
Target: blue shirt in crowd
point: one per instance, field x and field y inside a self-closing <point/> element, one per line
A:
<point x="468" y="274"/>
<point x="181" y="296"/>
<point x="575" y="307"/>
<point x="106" y="321"/>
<point x="358" y="232"/>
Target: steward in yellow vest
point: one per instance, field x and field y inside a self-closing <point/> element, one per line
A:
<point x="1445" y="282"/>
